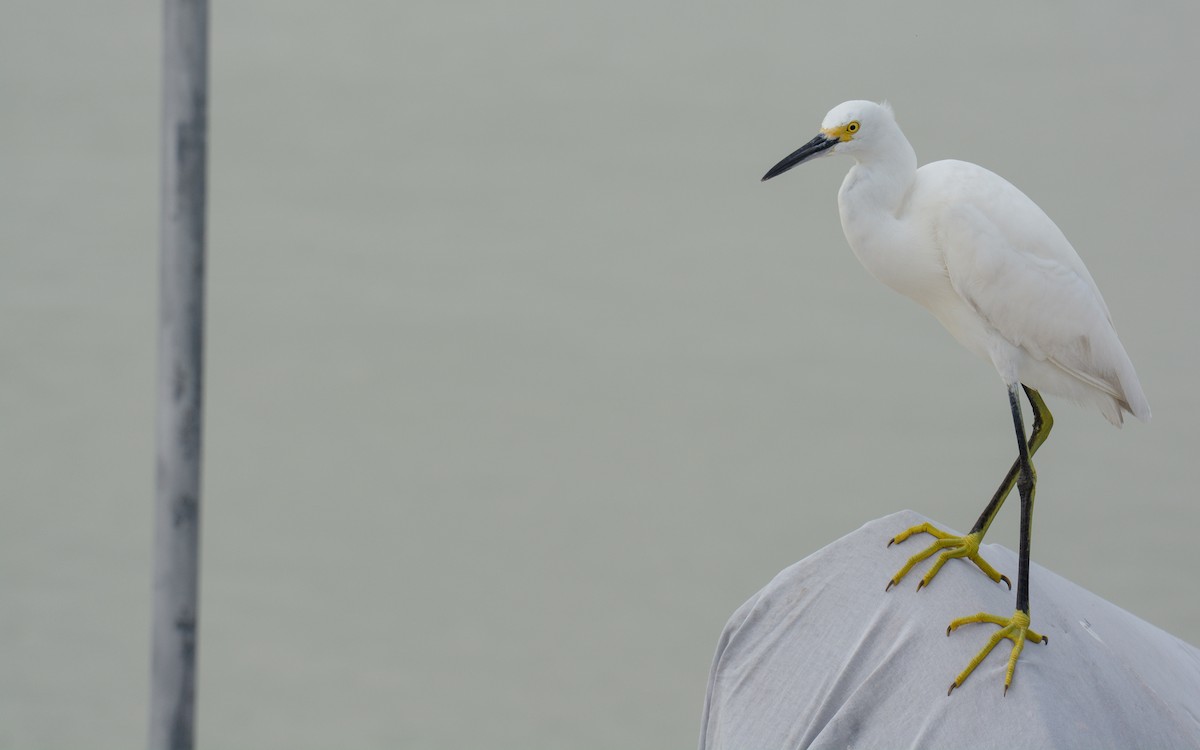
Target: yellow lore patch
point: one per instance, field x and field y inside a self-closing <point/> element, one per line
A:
<point x="842" y="133"/>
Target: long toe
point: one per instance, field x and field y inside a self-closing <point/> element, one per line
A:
<point x="950" y="547"/>
<point x="1015" y="628"/>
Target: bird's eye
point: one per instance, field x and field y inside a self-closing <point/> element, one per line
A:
<point x="852" y="127"/>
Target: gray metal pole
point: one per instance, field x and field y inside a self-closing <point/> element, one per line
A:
<point x="180" y="370"/>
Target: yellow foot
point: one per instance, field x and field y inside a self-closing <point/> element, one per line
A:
<point x="1015" y="629"/>
<point x="951" y="547"/>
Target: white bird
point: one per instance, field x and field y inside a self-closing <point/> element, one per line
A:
<point x="1000" y="276"/>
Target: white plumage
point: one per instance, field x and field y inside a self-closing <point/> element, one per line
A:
<point x="1000" y="276"/>
<point x="982" y="257"/>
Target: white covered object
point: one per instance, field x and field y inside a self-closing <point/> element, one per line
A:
<point x="824" y="658"/>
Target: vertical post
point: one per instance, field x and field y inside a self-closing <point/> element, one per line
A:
<point x="180" y="370"/>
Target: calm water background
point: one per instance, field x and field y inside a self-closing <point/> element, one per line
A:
<point x="519" y="381"/>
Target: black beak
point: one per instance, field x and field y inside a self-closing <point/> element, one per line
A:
<point x="799" y="156"/>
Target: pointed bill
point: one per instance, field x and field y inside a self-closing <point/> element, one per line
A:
<point x="816" y="147"/>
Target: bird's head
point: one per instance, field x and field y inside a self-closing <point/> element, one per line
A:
<point x="849" y="128"/>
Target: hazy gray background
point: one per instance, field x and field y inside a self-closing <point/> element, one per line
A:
<point x="519" y="380"/>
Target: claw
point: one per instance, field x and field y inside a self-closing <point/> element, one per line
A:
<point x="952" y="686"/>
<point x="921" y="584"/>
<point x="889" y="586"/>
<point x="1015" y="629"/>
<point x="1005" y="692"/>
<point x="947" y="548"/>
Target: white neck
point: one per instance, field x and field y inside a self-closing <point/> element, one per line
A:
<point x="872" y="197"/>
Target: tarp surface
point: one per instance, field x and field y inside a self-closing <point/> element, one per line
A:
<point x="822" y="657"/>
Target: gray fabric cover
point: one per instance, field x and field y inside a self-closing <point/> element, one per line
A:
<point x="824" y="658"/>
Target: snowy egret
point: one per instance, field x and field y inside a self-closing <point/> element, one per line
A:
<point x="1000" y="276"/>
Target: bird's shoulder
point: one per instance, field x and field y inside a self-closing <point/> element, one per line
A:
<point x="1009" y="260"/>
<point x="970" y="209"/>
<point x="1006" y="259"/>
<point x="951" y="184"/>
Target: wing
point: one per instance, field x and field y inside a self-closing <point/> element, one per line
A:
<point x="1013" y="266"/>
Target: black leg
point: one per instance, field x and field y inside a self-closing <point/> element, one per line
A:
<point x="1042" y="422"/>
<point x="967" y="547"/>
<point x="1026" y="486"/>
<point x="1015" y="628"/>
